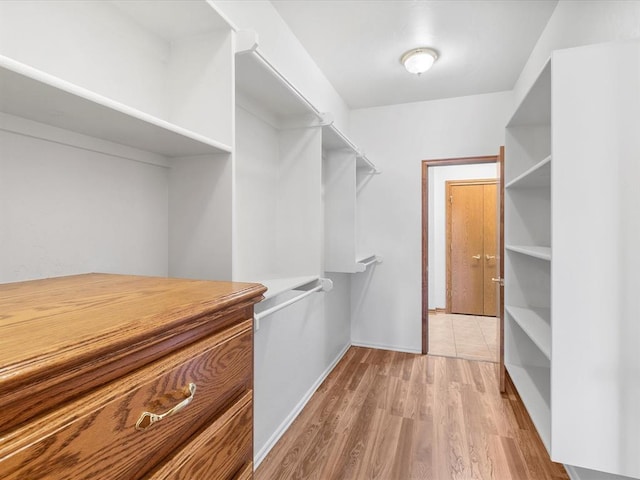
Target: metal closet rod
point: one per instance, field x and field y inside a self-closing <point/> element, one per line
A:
<point x="285" y="304"/>
<point x="324" y="285"/>
<point x="370" y="261"/>
<point x="321" y="116"/>
<point x="351" y="145"/>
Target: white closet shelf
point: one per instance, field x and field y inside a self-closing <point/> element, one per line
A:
<point x="264" y="85"/>
<point x="277" y="286"/>
<point x="30" y="93"/>
<point x="535" y="322"/>
<point x="537" y="176"/>
<point x="535" y="107"/>
<point x="534" y="387"/>
<point x="334" y="139"/>
<point x="543" y="253"/>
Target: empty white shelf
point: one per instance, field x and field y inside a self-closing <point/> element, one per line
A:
<point x="534" y="387"/>
<point x="536" y="324"/>
<point x="535" y="107"/>
<point x="276" y="286"/>
<point x="258" y="80"/>
<point x="537" y="176"/>
<point x="334" y="139"/>
<point x="543" y="253"/>
<point x="29" y="93"/>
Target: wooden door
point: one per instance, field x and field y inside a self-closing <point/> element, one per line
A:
<point x="471" y="243"/>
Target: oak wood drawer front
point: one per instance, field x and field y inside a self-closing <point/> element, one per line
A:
<point x="95" y="437"/>
<point x="220" y="452"/>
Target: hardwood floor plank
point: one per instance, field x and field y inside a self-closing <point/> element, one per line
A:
<point x="397" y="416"/>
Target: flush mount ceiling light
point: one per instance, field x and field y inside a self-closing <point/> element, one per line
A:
<point x="419" y="60"/>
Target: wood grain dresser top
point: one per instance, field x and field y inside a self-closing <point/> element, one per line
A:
<point x="45" y="322"/>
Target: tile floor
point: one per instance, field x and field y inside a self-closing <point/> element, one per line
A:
<point x="464" y="336"/>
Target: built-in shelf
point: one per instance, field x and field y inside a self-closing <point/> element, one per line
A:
<point x="334" y="139"/>
<point x="277" y="286"/>
<point x="266" y="88"/>
<point x="30" y="93"/>
<point x="537" y="176"/>
<point x="535" y="107"/>
<point x="543" y="253"/>
<point x="534" y="387"/>
<point x="535" y="322"/>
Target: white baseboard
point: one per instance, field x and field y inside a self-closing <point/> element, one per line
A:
<point x="260" y="456"/>
<point x="380" y="346"/>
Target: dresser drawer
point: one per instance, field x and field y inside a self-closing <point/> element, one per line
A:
<point x="222" y="451"/>
<point x="96" y="437"/>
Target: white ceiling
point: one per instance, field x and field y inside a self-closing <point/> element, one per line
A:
<point x="483" y="44"/>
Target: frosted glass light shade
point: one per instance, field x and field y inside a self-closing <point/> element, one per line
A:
<point x="419" y="60"/>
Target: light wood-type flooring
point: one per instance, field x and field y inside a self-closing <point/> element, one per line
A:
<point x="395" y="416"/>
<point x="464" y="336"/>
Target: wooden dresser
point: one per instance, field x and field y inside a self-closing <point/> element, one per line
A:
<point x="122" y="377"/>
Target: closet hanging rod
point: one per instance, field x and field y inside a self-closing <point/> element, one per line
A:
<point x="324" y="286"/>
<point x="374" y="169"/>
<point x="362" y="266"/>
<point x="287" y="84"/>
<point x="353" y="147"/>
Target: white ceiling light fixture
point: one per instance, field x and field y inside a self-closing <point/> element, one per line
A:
<point x="419" y="60"/>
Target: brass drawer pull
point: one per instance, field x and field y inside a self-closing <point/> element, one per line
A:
<point x="147" y="418"/>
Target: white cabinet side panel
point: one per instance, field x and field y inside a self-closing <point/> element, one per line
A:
<point x="256" y="158"/>
<point x="339" y="178"/>
<point x="596" y="259"/>
<point x="201" y="85"/>
<point x="200" y="217"/>
<point x="66" y="210"/>
<point x="299" y="234"/>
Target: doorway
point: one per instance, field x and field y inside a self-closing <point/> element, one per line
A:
<point x="428" y="273"/>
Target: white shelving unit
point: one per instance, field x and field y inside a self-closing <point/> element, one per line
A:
<point x="343" y="167"/>
<point x="528" y="252"/>
<point x="543" y="253"/>
<point x="571" y="236"/>
<point x="537" y="176"/>
<point x="29" y="93"/>
<point x="535" y="322"/>
<point x="278" y="180"/>
<point x="160" y="92"/>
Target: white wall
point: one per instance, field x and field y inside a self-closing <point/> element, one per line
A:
<point x="283" y="49"/>
<point x="295" y="349"/>
<point x="437" y="222"/>
<point x="66" y="210"/>
<point x="386" y="301"/>
<point x="575" y="23"/>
